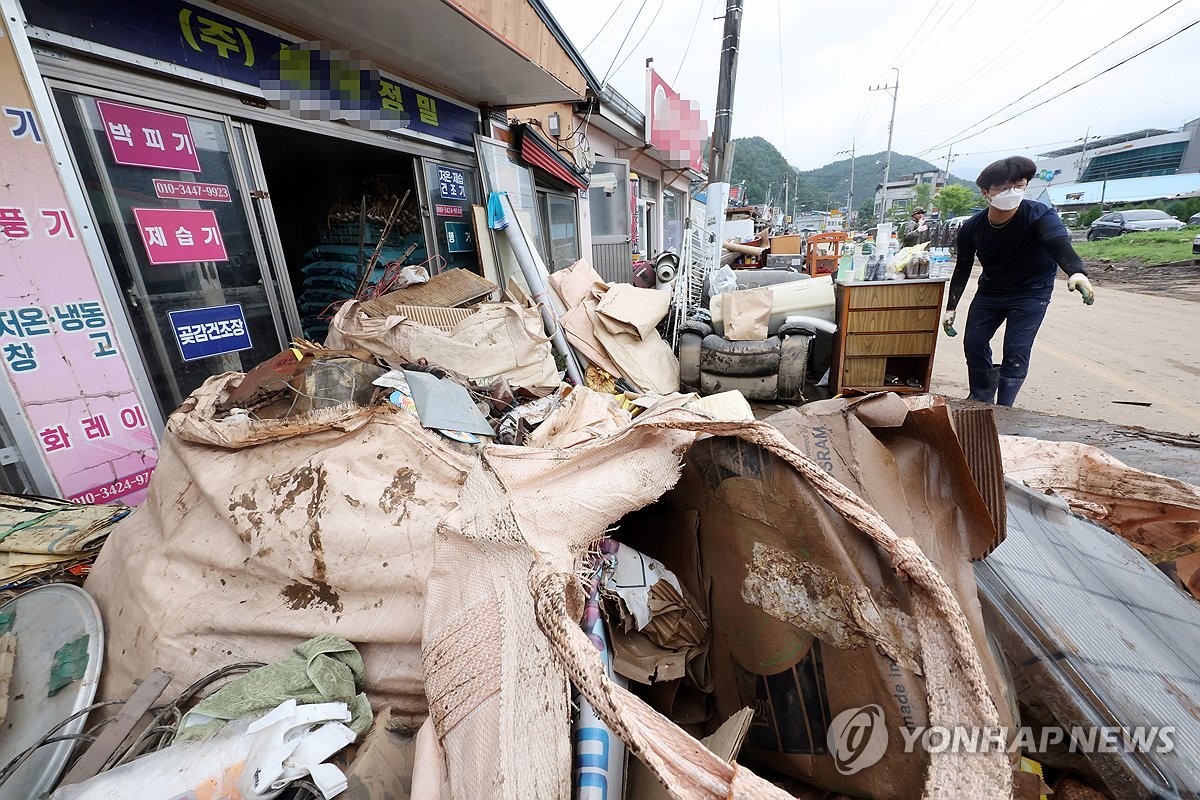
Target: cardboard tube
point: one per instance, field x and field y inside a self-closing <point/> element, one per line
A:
<point x="744" y="249"/>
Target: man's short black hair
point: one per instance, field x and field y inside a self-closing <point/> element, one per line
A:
<point x="1006" y="170"/>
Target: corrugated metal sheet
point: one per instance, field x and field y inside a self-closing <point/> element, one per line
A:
<point x="613" y="262"/>
<point x="976" y="429"/>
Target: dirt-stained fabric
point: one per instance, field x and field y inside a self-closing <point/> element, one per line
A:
<point x="258" y="534"/>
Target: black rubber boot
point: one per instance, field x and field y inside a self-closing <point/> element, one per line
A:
<point x="1006" y="394"/>
<point x="983" y="384"/>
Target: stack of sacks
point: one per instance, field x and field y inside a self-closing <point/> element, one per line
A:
<point x="331" y="276"/>
<point x="614" y="327"/>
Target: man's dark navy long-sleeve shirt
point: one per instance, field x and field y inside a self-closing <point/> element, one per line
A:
<point x="1019" y="257"/>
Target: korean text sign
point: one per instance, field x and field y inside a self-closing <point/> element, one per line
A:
<point x="180" y="235"/>
<point x="204" y="37"/>
<point x="204" y="332"/>
<point x="57" y="340"/>
<point x="142" y="137"/>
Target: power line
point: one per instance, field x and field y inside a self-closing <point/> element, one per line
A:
<point x="638" y="44"/>
<point x="945" y="32"/>
<point x="621" y="46"/>
<point x="963" y="83"/>
<point x="782" y="92"/>
<point x="1077" y="64"/>
<point x="687" y="48"/>
<point x="1063" y="92"/>
<point x="913" y="38"/>
<point x="603" y="28"/>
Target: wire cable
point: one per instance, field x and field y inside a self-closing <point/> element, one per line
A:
<point x="955" y="140"/>
<point x="964" y="83"/>
<point x="603" y="28"/>
<point x="896" y="58"/>
<point x="688" y="47"/>
<point x="782" y="91"/>
<point x="1082" y="61"/>
<point x="621" y="46"/>
<point x="638" y="44"/>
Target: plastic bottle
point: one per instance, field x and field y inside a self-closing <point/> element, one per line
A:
<point x="893" y="245"/>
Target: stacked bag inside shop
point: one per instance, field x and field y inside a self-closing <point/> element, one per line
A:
<point x="331" y="275"/>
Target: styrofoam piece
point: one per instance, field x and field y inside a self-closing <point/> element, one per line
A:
<point x="811" y="298"/>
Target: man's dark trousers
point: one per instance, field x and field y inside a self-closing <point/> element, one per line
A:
<point x="1022" y="316"/>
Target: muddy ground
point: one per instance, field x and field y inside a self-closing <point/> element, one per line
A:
<point x="1181" y="281"/>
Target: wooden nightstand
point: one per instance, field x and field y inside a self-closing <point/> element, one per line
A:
<point x="886" y="329"/>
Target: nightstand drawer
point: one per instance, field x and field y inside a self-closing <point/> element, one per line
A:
<point x="889" y="344"/>
<point x="864" y="372"/>
<point x="896" y="294"/>
<point x="898" y="321"/>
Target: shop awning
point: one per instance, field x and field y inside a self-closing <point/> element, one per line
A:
<point x="460" y="46"/>
<point x="541" y="153"/>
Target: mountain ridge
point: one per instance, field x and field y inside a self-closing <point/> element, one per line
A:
<point x="760" y="164"/>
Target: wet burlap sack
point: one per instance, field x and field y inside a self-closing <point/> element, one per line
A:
<point x="502" y="632"/>
<point x="499" y="340"/>
<point x="258" y="534"/>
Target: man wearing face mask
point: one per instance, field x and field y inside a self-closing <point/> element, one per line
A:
<point x="1020" y="244"/>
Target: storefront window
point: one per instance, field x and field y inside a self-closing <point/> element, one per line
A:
<point x="166" y="195"/>
<point x="452" y="192"/>
<point x="559" y="220"/>
<point x="502" y="173"/>
<point x="672" y="220"/>
<point x="608" y="199"/>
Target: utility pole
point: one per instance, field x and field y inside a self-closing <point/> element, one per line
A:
<point x="787" y="193"/>
<point x="723" y="119"/>
<point x="1087" y="137"/>
<point x="721" y="155"/>
<point x="850" y="193"/>
<point x="894" y="89"/>
<point x="946" y="179"/>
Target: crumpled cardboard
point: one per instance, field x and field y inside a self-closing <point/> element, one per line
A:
<point x="613" y="327"/>
<point x="655" y="631"/>
<point x="809" y="620"/>
<point x="747" y="314"/>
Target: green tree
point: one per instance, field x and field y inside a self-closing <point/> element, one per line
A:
<point x="954" y="201"/>
<point x="923" y="196"/>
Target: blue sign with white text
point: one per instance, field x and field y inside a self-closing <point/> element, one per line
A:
<point x="198" y="36"/>
<point x="452" y="183"/>
<point x="205" y="332"/>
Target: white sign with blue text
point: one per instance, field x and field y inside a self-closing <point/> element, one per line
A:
<point x="452" y="183"/>
<point x="206" y="332"/>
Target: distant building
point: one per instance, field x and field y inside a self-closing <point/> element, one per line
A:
<point x="902" y="191"/>
<point x="1139" y="154"/>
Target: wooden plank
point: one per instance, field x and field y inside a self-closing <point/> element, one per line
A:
<point x="889" y="344"/>
<point x="896" y="294"/>
<point x="863" y="372"/>
<point x="449" y="289"/>
<point x="116" y="732"/>
<point x="916" y="320"/>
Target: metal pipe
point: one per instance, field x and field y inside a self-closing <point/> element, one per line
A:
<point x="533" y="270"/>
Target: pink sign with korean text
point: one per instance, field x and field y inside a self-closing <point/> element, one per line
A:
<point x="58" y="346"/>
<point x="141" y="137"/>
<point x="180" y="235"/>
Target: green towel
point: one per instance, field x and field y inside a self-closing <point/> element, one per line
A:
<point x="326" y="669"/>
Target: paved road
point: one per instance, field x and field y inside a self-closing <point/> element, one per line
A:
<point x="1129" y="347"/>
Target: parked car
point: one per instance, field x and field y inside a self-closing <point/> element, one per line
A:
<point x="1069" y="218"/>
<point x="1116" y="223"/>
<point x="1196" y="248"/>
<point x="1194" y="219"/>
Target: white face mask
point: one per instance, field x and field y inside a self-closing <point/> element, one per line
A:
<point x="1007" y="200"/>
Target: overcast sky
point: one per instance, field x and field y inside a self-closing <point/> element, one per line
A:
<point x="805" y="67"/>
